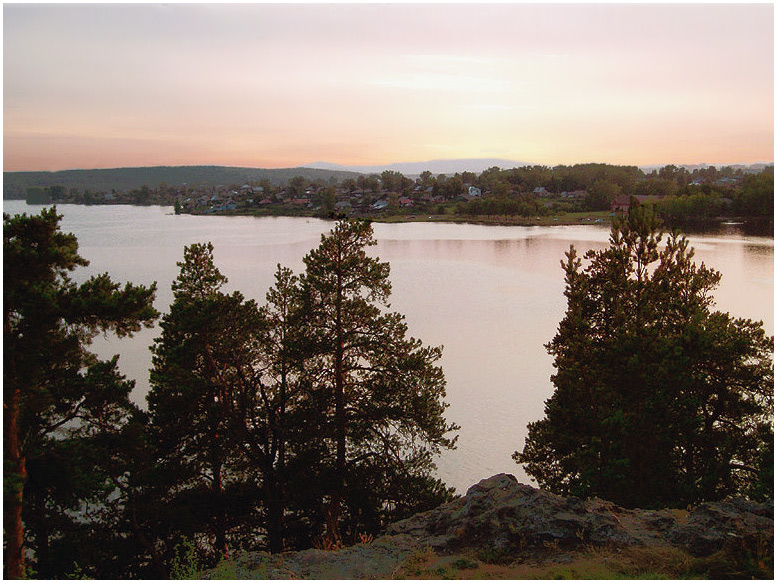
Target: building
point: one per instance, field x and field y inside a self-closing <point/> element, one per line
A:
<point x="622" y="203"/>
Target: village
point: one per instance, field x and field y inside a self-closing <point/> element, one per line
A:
<point x="339" y="200"/>
<point x="315" y="198"/>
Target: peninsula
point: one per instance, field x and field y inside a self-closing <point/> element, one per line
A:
<point x="522" y="195"/>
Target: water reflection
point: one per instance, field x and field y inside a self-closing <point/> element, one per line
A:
<point x="730" y="228"/>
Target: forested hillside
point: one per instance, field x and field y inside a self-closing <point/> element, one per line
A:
<point x="15" y="184"/>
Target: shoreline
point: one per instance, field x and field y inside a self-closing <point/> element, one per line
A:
<point x="599" y="218"/>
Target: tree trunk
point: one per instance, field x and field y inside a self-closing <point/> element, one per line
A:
<point x="335" y="505"/>
<point x="332" y="516"/>
<point x="274" y="502"/>
<point x="147" y="544"/>
<point x="37" y="505"/>
<point x="221" y="519"/>
<point x="12" y="513"/>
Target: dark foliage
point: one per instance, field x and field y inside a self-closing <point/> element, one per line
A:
<point x="15" y="184"/>
<point x="659" y="399"/>
<point x="60" y="404"/>
<point x="309" y="420"/>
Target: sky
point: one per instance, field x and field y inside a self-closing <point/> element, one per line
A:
<point x="284" y="85"/>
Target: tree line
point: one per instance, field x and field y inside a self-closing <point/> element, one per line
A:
<point x="313" y="419"/>
<point x="99" y="182"/>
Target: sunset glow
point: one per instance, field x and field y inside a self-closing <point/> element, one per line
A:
<point x="282" y="85"/>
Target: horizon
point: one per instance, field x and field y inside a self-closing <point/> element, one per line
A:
<point x="350" y="167"/>
<point x="271" y="86"/>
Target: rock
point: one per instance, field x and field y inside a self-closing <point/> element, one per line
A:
<point x="507" y="518"/>
<point x="712" y="526"/>
<point x="511" y="516"/>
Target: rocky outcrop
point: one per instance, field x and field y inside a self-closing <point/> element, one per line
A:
<point x="710" y="527"/>
<point x="515" y="520"/>
<point x="511" y="516"/>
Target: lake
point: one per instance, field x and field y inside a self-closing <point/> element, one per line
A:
<point x="492" y="296"/>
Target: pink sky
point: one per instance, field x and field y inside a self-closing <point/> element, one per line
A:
<point x="282" y="85"/>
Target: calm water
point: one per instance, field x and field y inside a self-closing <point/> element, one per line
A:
<point x="492" y="296"/>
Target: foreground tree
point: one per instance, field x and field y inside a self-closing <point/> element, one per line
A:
<point x="81" y="499"/>
<point x="207" y="345"/>
<point x="265" y="413"/>
<point x="378" y="394"/>
<point x="659" y="400"/>
<point x="56" y="395"/>
<point x="313" y="410"/>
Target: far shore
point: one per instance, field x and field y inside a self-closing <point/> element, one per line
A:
<point x="762" y="226"/>
<point x="582" y="218"/>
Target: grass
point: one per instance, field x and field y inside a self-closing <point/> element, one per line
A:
<point x="751" y="557"/>
<point x="744" y="560"/>
<point x="751" y="561"/>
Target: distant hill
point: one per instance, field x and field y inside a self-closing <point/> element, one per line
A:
<point x="15" y="184"/>
<point x="477" y="165"/>
<point x="449" y="167"/>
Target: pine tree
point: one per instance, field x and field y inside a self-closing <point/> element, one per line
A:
<point x="378" y="394"/>
<point x="659" y="400"/>
<point x="264" y="409"/>
<point x="57" y="396"/>
<point x="206" y="346"/>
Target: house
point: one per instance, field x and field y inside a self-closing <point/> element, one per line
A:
<point x="380" y="205"/>
<point x="539" y="191"/>
<point x="474" y="191"/>
<point x="622" y="203"/>
<point x="404" y="201"/>
<point x="575" y="194"/>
